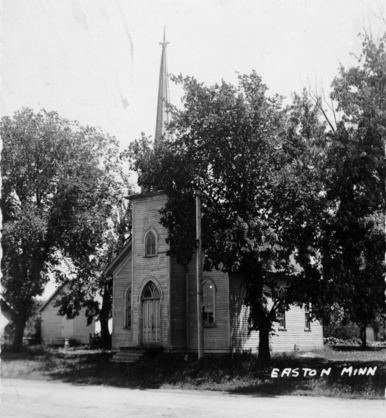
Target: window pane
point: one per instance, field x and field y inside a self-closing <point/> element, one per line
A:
<point x="307" y="323"/>
<point x="155" y="292"/>
<point x="208" y="303"/>
<point x="281" y="317"/>
<point x="147" y="293"/>
<point x="150" y="244"/>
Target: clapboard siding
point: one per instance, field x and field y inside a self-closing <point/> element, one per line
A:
<point x="295" y="336"/>
<point x="56" y="328"/>
<point x="178" y="306"/>
<point x="216" y="339"/>
<point x="178" y="300"/>
<point x="122" y="281"/>
<point x="51" y="323"/>
<point x="82" y="331"/>
<point x="145" y="216"/>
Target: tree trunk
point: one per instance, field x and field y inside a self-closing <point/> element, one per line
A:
<point x="104" y="316"/>
<point x="20" y="323"/>
<point x="363" y="333"/>
<point x="264" y="357"/>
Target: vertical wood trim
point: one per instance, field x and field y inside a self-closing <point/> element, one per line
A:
<point x="229" y="314"/>
<point x="187" y="308"/>
<point x="112" y="328"/>
<point x="132" y="273"/>
<point x="200" y="322"/>
<point x="169" y="311"/>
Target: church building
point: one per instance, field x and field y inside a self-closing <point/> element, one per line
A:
<point x="155" y="299"/>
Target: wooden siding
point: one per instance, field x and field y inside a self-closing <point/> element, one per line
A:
<point x="81" y="331"/>
<point x="295" y="335"/>
<point x="122" y="280"/>
<point x="178" y="300"/>
<point x="146" y="215"/>
<point x="51" y="323"/>
<point x="56" y="328"/>
<point x="216" y="339"/>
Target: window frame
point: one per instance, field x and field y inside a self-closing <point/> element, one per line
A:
<point x="155" y="236"/>
<point x="208" y="281"/>
<point x="307" y="321"/>
<point x="281" y="316"/>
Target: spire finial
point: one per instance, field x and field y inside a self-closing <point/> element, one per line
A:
<point x="164" y="43"/>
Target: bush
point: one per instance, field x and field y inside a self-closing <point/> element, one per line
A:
<point x="73" y="342"/>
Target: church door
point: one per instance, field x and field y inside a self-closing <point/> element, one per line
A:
<point x="151" y="318"/>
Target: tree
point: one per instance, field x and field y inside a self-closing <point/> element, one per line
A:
<point x="59" y="180"/>
<point x="90" y="282"/>
<point x="255" y="165"/>
<point x="353" y="246"/>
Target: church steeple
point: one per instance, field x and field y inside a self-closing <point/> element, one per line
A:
<point x="163" y="95"/>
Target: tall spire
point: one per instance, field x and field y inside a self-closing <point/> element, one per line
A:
<point x="163" y="95"/>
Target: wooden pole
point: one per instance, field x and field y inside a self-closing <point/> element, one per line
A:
<point x="200" y="322"/>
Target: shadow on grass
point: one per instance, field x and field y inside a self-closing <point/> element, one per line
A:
<point x="235" y="375"/>
<point x="9" y="353"/>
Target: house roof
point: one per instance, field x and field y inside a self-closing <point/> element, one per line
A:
<point x="6" y="306"/>
<point x="52" y="296"/>
<point x="144" y="195"/>
<point x="111" y="267"/>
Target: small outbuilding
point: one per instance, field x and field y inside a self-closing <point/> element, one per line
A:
<point x="56" y="329"/>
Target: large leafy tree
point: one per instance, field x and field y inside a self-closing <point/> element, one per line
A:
<point x="91" y="289"/>
<point x="59" y="184"/>
<point x="255" y="165"/>
<point x="353" y="246"/>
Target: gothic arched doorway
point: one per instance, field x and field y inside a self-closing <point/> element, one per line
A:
<point x="151" y="318"/>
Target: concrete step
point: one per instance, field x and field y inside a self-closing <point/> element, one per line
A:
<point x="123" y="360"/>
<point x="132" y="354"/>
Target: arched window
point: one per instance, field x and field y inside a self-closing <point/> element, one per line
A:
<point x="151" y="291"/>
<point x="150" y="246"/>
<point x="208" y="303"/>
<point x="128" y="309"/>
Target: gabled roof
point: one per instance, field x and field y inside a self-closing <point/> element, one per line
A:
<point x="111" y="267"/>
<point x="6" y="306"/>
<point x="60" y="288"/>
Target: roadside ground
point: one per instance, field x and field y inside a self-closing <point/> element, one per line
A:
<point x="39" y="399"/>
<point x="233" y="375"/>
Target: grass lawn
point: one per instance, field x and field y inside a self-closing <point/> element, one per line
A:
<point x="237" y="374"/>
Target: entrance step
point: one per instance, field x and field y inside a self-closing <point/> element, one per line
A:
<point x="133" y="354"/>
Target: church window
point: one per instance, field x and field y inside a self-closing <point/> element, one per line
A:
<point x="307" y="322"/>
<point x="128" y="309"/>
<point x="209" y="303"/>
<point x="150" y="244"/>
<point x="151" y="291"/>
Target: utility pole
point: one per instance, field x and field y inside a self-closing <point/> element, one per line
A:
<point x="200" y="322"/>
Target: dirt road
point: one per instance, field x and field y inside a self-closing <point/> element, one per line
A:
<point x="40" y="399"/>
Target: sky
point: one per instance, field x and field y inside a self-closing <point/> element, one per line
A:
<point x="97" y="61"/>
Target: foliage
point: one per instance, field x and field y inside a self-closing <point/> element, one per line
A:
<point x="58" y="181"/>
<point x="256" y="167"/>
<point x="91" y="288"/>
<point x="33" y="328"/>
<point x="353" y="246"/>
